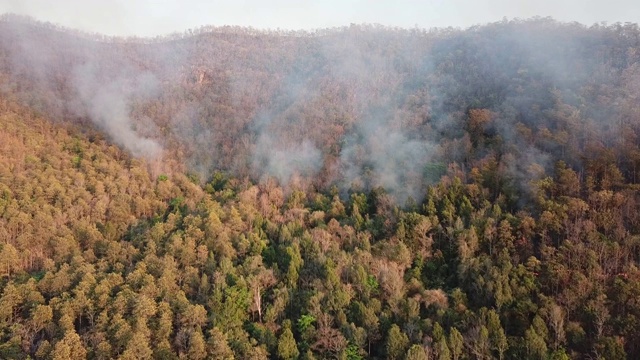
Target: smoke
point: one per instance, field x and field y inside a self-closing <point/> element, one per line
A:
<point x="108" y="105"/>
<point x="278" y="154"/>
<point x="358" y="107"/>
<point x="382" y="157"/>
<point x="284" y="162"/>
<point x="387" y="146"/>
<point x="70" y="77"/>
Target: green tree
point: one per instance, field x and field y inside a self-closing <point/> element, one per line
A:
<point x="497" y="337"/>
<point x="535" y="345"/>
<point x="397" y="343"/>
<point x="456" y="343"/>
<point x="416" y="352"/>
<point x="442" y="349"/>
<point x="559" y="354"/>
<point x="230" y="307"/>
<point x="287" y="347"/>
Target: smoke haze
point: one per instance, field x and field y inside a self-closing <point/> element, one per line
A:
<point x="108" y="105"/>
<point x="358" y="107"/>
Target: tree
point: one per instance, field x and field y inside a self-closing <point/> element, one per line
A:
<point x="456" y="343"/>
<point x="416" y="352"/>
<point x="287" y="347"/>
<point x="329" y="341"/>
<point x="442" y="349"/>
<point x="478" y="342"/>
<point x="217" y="346"/>
<point x="610" y="348"/>
<point x="365" y="316"/>
<point x="230" y="307"/>
<point x="41" y="317"/>
<point x="497" y="336"/>
<point x="10" y="300"/>
<point x="70" y="347"/>
<point x="535" y="345"/>
<point x="259" y="280"/>
<point x="9" y="260"/>
<point x="599" y="313"/>
<point x="197" y="346"/>
<point x="396" y="344"/>
<point x="555" y="319"/>
<point x="137" y="348"/>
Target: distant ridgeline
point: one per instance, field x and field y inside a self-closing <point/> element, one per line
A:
<point x="358" y="192"/>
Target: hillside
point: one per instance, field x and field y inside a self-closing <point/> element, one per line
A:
<point x="361" y="192"/>
<point x="355" y="107"/>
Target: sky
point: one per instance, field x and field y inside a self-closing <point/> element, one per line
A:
<point x="158" y="17"/>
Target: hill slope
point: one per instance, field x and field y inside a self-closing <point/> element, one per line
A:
<point x="355" y="107"/>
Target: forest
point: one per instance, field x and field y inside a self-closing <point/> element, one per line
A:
<point x="362" y="192"/>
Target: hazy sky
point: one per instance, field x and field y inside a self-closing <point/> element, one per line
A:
<point x="156" y="17"/>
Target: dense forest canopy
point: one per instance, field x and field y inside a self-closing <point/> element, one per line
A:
<point x="359" y="192"/>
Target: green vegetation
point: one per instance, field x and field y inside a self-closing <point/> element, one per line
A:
<point x="99" y="261"/>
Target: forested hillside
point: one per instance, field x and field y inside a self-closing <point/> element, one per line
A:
<point x="351" y="193"/>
